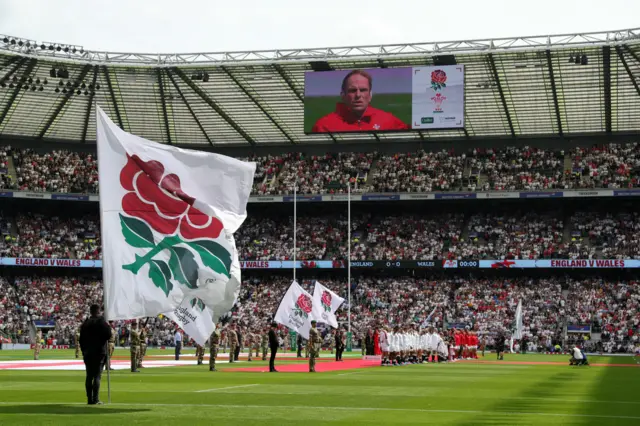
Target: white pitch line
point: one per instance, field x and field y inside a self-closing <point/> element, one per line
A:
<point x="347" y="374"/>
<point x="228" y="387"/>
<point x="306" y="407"/>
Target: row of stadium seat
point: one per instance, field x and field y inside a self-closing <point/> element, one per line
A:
<point x="610" y="307"/>
<point x="524" y="168"/>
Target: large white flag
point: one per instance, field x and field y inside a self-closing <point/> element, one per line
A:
<point x="519" y="325"/>
<point x="296" y="310"/>
<point x="168" y="216"/>
<point x="325" y="305"/>
<point x="194" y="318"/>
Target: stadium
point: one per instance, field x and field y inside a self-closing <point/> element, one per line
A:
<point x="529" y="199"/>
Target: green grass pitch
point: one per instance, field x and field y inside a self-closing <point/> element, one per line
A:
<point x="450" y="394"/>
<point x="317" y="107"/>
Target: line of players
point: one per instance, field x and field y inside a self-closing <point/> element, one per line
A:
<point x="410" y="345"/>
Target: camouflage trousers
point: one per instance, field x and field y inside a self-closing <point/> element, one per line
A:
<point x="134" y="357"/>
<point x="313" y="353"/>
<point x="112" y="347"/>
<point x="213" y="354"/>
<point x="36" y="352"/>
<point x="77" y="350"/>
<point x="264" y="352"/>
<point x="257" y="347"/>
<point x="142" y="351"/>
<point x="232" y="353"/>
<point x="199" y="354"/>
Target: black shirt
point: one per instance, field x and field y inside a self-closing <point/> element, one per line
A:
<point x="273" y="339"/>
<point x="94" y="334"/>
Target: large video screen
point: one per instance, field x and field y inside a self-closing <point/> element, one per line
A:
<point x="384" y="99"/>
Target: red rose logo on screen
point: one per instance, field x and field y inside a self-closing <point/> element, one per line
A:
<point x="156" y="202"/>
<point x="326" y="301"/>
<point x="438" y="80"/>
<point x="308" y="264"/>
<point x="303" y="306"/>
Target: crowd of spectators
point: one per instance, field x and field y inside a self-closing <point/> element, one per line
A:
<point x="512" y="236"/>
<point x="505" y="169"/>
<point x="43" y="236"/>
<point x="486" y="305"/>
<point x="607" y="166"/>
<point x="374" y="236"/>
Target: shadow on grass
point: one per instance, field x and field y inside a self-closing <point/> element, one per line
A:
<point x="66" y="409"/>
<point x="614" y="390"/>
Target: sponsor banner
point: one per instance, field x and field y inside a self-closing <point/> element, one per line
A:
<point x="58" y="263"/>
<point x="6" y="194"/>
<point x="70" y="197"/>
<point x="32" y="346"/>
<point x="45" y="324"/>
<point x="3" y="171"/>
<point x="561" y="263"/>
<point x="380" y="197"/>
<point x="342" y="197"/>
<point x="286" y="264"/>
<point x="456" y="196"/>
<point x="265" y="199"/>
<point x="35" y="195"/>
<point x="497" y="195"/>
<point x="626" y="193"/>
<point x="456" y="325"/>
<point x="289" y="198"/>
<point x="593" y="193"/>
<point x="424" y="196"/>
<point x="556" y="194"/>
<point x="582" y="328"/>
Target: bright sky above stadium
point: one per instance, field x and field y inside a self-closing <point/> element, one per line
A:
<point x="167" y="26"/>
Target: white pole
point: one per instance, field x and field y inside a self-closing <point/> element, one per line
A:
<point x="349" y="252"/>
<point x="295" y="225"/>
<point x="105" y="294"/>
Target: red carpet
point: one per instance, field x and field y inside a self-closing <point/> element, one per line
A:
<point x="321" y="367"/>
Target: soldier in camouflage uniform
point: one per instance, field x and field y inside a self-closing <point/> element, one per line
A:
<point x="37" y="346"/>
<point x="363" y="337"/>
<point x="142" y="349"/>
<point x="248" y="338"/>
<point x="232" y="339"/>
<point x="313" y="346"/>
<point x="135" y="348"/>
<point x="77" y="343"/>
<point x="264" y="342"/>
<point x="256" y="342"/>
<point x="199" y="354"/>
<point x="214" y="342"/>
<point x="112" y="345"/>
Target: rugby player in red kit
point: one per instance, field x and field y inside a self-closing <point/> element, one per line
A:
<point x="354" y="113"/>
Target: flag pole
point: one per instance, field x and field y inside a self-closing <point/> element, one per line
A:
<point x="295" y="224"/>
<point x="104" y="286"/>
<point x="349" y="252"/>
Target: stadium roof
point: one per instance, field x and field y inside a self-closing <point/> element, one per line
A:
<point x="515" y="87"/>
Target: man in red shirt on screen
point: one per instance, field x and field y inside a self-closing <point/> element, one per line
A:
<point x="354" y="113"/>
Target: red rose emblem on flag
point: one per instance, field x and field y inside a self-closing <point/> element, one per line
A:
<point x="156" y="202"/>
<point x="438" y="80"/>
<point x="158" y="199"/>
<point x="304" y="305"/>
<point x="326" y="300"/>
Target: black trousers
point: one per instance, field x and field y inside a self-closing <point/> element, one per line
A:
<point x="339" y="350"/>
<point x="237" y="354"/>
<point x="93" y="366"/>
<point x="178" y="347"/>
<point x="272" y="359"/>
